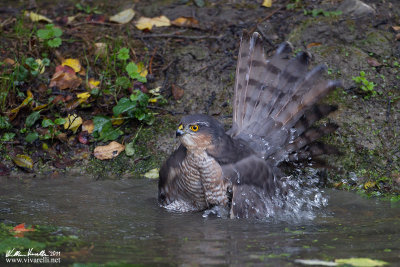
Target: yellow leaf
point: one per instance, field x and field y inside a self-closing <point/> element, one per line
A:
<point x="36" y="17"/>
<point x="23" y="161"/>
<point x="152" y="174"/>
<point x="142" y="69"/>
<point x="73" y="122"/>
<point x="92" y="83"/>
<point x="109" y="151"/>
<point x="73" y="63"/>
<point x="147" y="23"/>
<point x="153" y="100"/>
<point x="117" y="120"/>
<point x="41" y="67"/>
<point x="40" y="107"/>
<point x="267" y="3"/>
<point x="83" y="96"/>
<point x="123" y="16"/>
<point x="365" y="262"/>
<point x="369" y="184"/>
<point x="13" y="113"/>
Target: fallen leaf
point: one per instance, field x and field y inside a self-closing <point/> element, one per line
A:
<point x="373" y="62"/>
<point x="312" y="45"/>
<point x="396" y="28"/>
<point x="117" y="120"/>
<point x="97" y="18"/>
<point x="177" y="92"/>
<point x="155" y="91"/>
<point x="364" y="262"/>
<point x="397" y="37"/>
<point x="9" y="61"/>
<point x="123" y="16"/>
<point x="13" y="113"/>
<point x="63" y="78"/>
<point x="73" y="63"/>
<point x="316" y="262"/>
<point x="185" y="22"/>
<point x="88" y="126"/>
<point x="36" y="17"/>
<point x="83" y="137"/>
<point x="267" y="3"/>
<point x="73" y="122"/>
<point x="369" y="184"/>
<point x="130" y="149"/>
<point x="40" y="107"/>
<point x="83" y="96"/>
<point x="23" y="161"/>
<point x="152" y="174"/>
<point x="147" y="23"/>
<point x="92" y="83"/>
<point x="109" y="151"/>
<point x="19" y="230"/>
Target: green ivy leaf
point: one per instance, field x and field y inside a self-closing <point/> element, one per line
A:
<point x="123" y="53"/>
<point x="108" y="133"/>
<point x="31" y="137"/>
<point x="32" y="118"/>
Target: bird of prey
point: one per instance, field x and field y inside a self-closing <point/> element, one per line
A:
<point x="274" y="108"/>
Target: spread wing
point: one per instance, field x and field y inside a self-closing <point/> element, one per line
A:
<point x="275" y="98"/>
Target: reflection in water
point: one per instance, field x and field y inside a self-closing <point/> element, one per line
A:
<point x="124" y="222"/>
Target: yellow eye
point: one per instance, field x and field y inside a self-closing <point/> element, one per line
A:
<point x="194" y="128"/>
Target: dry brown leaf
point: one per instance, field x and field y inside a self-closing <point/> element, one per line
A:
<point x="373" y="62"/>
<point x="177" y="92"/>
<point x="88" y="126"/>
<point x="109" y="151"/>
<point x="64" y="78"/>
<point x="185" y="22"/>
<point x="100" y="49"/>
<point x="396" y="28"/>
<point x="312" y="45"/>
<point x="9" y="61"/>
<point x="123" y="16"/>
<point x="147" y="23"/>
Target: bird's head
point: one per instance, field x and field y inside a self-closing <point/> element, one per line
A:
<point x="199" y="131"/>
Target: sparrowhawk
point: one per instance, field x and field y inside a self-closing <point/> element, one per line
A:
<point x="274" y="109"/>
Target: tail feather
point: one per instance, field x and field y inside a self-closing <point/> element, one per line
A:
<point x="276" y="100"/>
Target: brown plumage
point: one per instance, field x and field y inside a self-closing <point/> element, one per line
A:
<point x="274" y="108"/>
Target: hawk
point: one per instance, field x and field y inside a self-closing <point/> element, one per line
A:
<point x="274" y="108"/>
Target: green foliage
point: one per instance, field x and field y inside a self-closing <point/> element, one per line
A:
<point x="51" y="35"/>
<point x="103" y="129"/>
<point x="123" y="82"/>
<point x="133" y="72"/>
<point x="317" y="12"/>
<point x="4" y="123"/>
<point x="31" y="137"/>
<point x="364" y="84"/>
<point x="32" y="118"/>
<point x="29" y="67"/>
<point x="295" y="4"/>
<point x="88" y="9"/>
<point x="123" y="54"/>
<point x="7" y="137"/>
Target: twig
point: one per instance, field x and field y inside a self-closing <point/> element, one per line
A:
<point x="151" y="60"/>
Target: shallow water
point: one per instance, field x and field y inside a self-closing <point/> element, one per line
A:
<point x="124" y="222"/>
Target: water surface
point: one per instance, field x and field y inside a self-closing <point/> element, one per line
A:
<point x="124" y="222"/>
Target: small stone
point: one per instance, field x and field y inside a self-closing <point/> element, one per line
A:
<point x="356" y="8"/>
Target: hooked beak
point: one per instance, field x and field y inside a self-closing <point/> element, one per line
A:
<point x="180" y="131"/>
